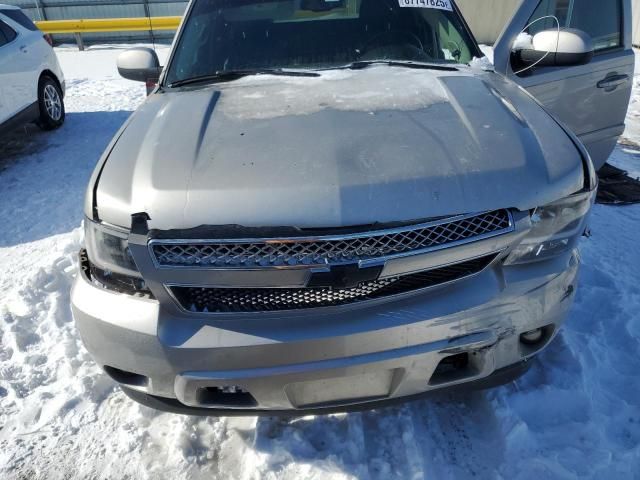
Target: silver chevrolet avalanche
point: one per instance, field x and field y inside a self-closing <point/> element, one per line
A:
<point x="327" y="205"/>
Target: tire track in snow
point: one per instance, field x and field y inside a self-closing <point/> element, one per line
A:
<point x="460" y="435"/>
<point x="390" y="444"/>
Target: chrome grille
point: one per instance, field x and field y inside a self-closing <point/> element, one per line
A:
<point x="219" y="300"/>
<point x="328" y="250"/>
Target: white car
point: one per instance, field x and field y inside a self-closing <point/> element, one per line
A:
<point x="31" y="80"/>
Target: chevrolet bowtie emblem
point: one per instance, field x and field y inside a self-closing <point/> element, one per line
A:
<point x="344" y="276"/>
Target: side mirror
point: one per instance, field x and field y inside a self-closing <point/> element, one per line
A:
<point x="553" y="48"/>
<point x="140" y="64"/>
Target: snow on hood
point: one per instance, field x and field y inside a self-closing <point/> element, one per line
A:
<point x="371" y="89"/>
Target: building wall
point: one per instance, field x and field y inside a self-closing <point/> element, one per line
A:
<point x="636" y="22"/>
<point x="487" y="18"/>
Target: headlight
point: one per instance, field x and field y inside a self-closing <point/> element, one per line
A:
<point x="109" y="263"/>
<point x="108" y="249"/>
<point x="555" y="229"/>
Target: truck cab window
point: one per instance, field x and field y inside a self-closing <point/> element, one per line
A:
<point x="601" y="20"/>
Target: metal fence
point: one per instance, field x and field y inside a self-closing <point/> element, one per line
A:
<point x="76" y="9"/>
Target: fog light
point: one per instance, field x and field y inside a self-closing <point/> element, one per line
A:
<point x="532" y="337"/>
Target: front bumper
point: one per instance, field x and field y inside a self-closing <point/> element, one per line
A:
<point x="330" y="358"/>
<point x="172" y="405"/>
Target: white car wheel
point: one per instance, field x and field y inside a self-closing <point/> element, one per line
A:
<point x="51" y="104"/>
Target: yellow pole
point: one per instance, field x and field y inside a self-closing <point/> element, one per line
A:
<point x="108" y="25"/>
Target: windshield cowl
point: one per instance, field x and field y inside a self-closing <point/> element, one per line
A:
<point x="230" y="75"/>
<point x="360" y="64"/>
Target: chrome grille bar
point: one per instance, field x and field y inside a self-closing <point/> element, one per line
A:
<point x="329" y="250"/>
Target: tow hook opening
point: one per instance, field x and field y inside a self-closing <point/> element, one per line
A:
<point x="453" y="368"/>
<point x="225" y="396"/>
<point x="126" y="378"/>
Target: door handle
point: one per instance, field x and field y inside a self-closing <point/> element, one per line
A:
<point x="612" y="82"/>
<point x="23" y="48"/>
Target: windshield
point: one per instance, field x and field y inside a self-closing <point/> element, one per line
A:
<point x="231" y="35"/>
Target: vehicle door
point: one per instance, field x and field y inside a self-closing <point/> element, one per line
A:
<point x="18" y="69"/>
<point x="36" y="51"/>
<point x="7" y="107"/>
<point x="590" y="98"/>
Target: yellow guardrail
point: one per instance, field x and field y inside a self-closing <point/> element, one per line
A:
<point x="109" y="25"/>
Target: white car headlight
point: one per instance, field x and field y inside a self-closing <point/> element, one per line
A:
<point x="555" y="229"/>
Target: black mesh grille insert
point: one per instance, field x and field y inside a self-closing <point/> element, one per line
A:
<point x="208" y="299"/>
<point x="329" y="251"/>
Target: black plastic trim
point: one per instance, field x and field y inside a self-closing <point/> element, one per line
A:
<point x="222" y="232"/>
<point x="28" y="115"/>
<point x="552" y="59"/>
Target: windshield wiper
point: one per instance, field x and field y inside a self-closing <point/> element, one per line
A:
<point x="360" y="64"/>
<point x="229" y="75"/>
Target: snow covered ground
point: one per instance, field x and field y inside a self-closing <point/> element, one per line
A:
<point x="575" y="415"/>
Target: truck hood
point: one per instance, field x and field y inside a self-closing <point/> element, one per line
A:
<point x="346" y="148"/>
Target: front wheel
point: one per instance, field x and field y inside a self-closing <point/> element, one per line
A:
<point x="51" y="104"/>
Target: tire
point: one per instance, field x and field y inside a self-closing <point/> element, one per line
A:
<point x="51" y="104"/>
